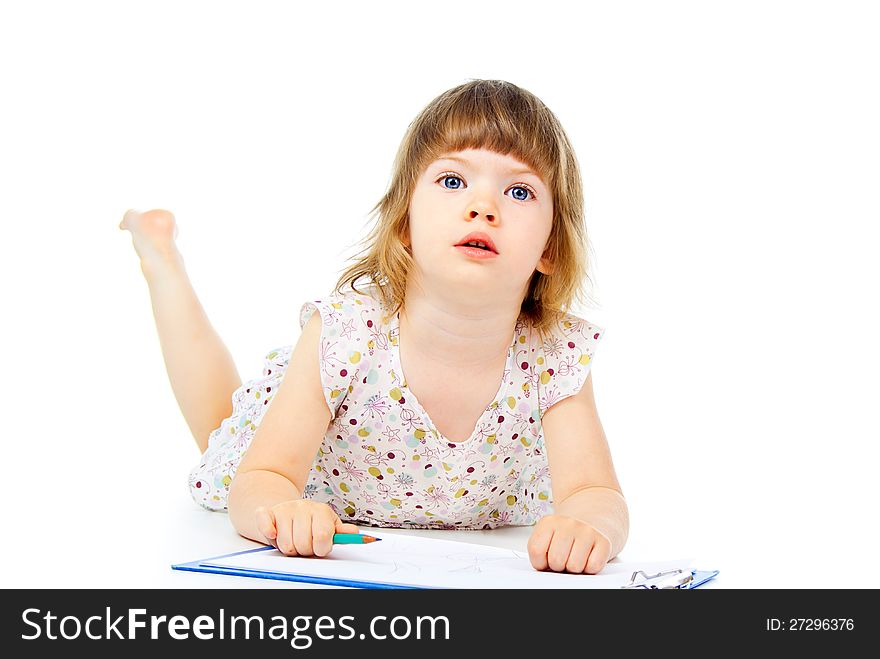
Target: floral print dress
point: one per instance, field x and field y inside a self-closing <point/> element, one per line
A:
<point x="382" y="462"/>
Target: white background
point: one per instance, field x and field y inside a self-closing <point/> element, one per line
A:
<point x="729" y="156"/>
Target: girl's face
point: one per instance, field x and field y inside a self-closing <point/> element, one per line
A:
<point x="477" y="190"/>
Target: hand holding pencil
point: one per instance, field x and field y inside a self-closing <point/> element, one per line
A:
<point x="302" y="527"/>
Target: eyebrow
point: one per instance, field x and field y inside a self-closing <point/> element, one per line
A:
<point x="512" y="170"/>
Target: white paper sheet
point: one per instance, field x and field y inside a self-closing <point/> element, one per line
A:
<point x="404" y="560"/>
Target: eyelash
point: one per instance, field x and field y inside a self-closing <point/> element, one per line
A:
<point x="446" y="175"/>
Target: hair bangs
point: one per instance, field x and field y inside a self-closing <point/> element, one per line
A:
<point x="499" y="118"/>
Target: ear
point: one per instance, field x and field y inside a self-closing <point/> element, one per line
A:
<point x="545" y="266"/>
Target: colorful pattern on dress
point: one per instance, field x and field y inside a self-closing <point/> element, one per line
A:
<point x="382" y="462"/>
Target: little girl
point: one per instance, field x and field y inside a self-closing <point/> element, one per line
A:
<point x="451" y="390"/>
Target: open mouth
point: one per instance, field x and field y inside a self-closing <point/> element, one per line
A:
<point x="476" y="244"/>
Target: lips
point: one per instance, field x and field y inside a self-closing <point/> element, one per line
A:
<point x="478" y="236"/>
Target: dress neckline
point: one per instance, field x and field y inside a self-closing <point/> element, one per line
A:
<point x="394" y="329"/>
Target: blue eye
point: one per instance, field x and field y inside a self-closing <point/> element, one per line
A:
<point x="520" y="186"/>
<point x="446" y="177"/>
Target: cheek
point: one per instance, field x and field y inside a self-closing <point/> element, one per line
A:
<point x="425" y="226"/>
<point x="423" y="240"/>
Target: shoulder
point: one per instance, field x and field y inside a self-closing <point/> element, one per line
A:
<point x="343" y="312"/>
<point x="571" y="335"/>
<point x="563" y="358"/>
<point x="338" y="328"/>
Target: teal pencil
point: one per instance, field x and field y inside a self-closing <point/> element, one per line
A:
<point x="352" y="539"/>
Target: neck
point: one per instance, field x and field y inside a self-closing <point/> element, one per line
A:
<point x="451" y="334"/>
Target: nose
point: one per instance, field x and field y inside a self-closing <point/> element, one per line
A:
<point x="483" y="203"/>
<point x="489" y="217"/>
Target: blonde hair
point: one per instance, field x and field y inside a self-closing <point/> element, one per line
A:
<point x="501" y="117"/>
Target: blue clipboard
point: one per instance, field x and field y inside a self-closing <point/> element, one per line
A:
<point x="702" y="576"/>
<point x="696" y="577"/>
<point x="202" y="565"/>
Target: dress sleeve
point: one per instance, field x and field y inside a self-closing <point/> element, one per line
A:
<point x="338" y="349"/>
<point x="565" y="359"/>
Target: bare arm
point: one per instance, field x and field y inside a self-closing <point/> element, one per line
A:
<point x="276" y="465"/>
<point x="584" y="482"/>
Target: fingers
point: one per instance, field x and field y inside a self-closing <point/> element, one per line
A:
<point x="325" y="524"/>
<point x="343" y="527"/>
<point x="560" y="549"/>
<point x="301" y="528"/>
<point x="599" y="555"/>
<point x="323" y="528"/>
<point x="561" y="546"/>
<point x="284" y="537"/>
<point x="580" y="553"/>
<point x="266" y="523"/>
<point x="302" y="533"/>
<point x="539" y="543"/>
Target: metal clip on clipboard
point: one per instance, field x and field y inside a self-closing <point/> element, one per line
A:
<point x="679" y="578"/>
